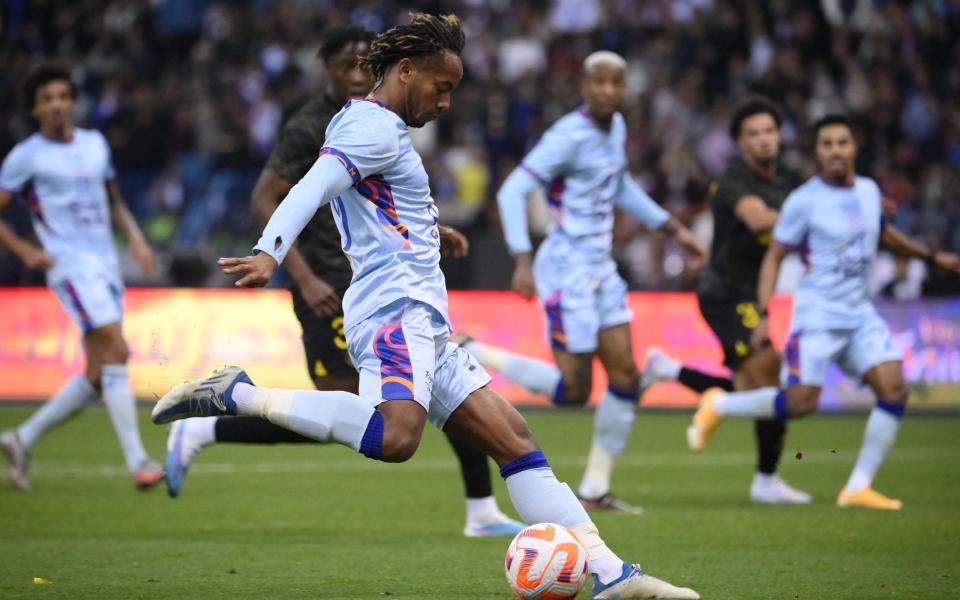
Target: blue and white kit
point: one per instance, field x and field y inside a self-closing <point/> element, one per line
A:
<point x="836" y="230"/>
<point x="583" y="168"/>
<point x="63" y="184"/>
<point x="395" y="311"/>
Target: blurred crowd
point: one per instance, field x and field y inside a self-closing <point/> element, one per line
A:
<point x="191" y="95"/>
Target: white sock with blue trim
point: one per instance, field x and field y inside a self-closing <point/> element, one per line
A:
<point x="759" y="403"/>
<point x="612" y="424"/>
<point x="75" y="395"/>
<point x="332" y="416"/>
<point x="878" y="438"/>
<point x="535" y="375"/>
<point x="539" y="497"/>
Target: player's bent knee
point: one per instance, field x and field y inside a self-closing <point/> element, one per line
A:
<point x="575" y="393"/>
<point x="398" y="448"/>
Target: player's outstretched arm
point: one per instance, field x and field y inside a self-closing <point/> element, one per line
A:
<point x="326" y="179"/>
<point x="124" y="221"/>
<point x="31" y="255"/>
<point x="643" y="208"/>
<point x="767" y="283"/>
<point x="894" y="240"/>
<point x="319" y="295"/>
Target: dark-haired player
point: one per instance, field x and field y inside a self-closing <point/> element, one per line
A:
<point x="745" y="200"/>
<point x="320" y="274"/>
<point x="66" y="176"/>
<point x="396" y="321"/>
<point x="835" y="221"/>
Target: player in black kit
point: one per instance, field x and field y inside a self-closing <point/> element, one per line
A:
<point x="745" y="201"/>
<point x="319" y="276"/>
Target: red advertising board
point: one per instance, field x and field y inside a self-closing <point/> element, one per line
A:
<point x="176" y="334"/>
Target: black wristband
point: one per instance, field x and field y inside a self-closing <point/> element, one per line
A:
<point x="764" y="313"/>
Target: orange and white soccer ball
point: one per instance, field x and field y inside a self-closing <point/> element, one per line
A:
<point x="546" y="562"/>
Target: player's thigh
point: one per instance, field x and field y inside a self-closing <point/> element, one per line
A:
<point x="732" y="322"/>
<point x="394" y="352"/>
<point x="761" y="368"/>
<point x="808" y="354"/>
<point x="615" y="351"/>
<point x="872" y="355"/>
<point x="325" y="349"/>
<point x="457" y="376"/>
<point x="887" y="382"/>
<point x="489" y="423"/>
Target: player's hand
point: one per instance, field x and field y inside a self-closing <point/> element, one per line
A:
<point x="947" y="260"/>
<point x="37" y="258"/>
<point x="319" y="296"/>
<point x="696" y="255"/>
<point x="522" y="282"/>
<point x="143" y="255"/>
<point x="760" y="336"/>
<point x="453" y="244"/>
<point x="254" y="271"/>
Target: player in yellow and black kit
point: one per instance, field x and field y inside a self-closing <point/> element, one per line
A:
<point x="320" y="275"/>
<point x="745" y="200"/>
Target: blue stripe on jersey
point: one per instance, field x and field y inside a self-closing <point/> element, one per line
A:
<point x="342" y="213"/>
<point x="351" y="168"/>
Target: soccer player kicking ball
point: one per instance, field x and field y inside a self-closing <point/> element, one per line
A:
<point x="316" y="301"/>
<point x="396" y="320"/>
<point x="835" y="220"/>
<point x="66" y="175"/>
<point x="581" y="163"/>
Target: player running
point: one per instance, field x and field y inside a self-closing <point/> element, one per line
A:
<point x="835" y="221"/>
<point x="746" y="201"/>
<point x="316" y="300"/>
<point x="582" y="165"/>
<point x="66" y="176"/>
<point x="395" y="310"/>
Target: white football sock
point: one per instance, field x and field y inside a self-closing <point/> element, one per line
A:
<point x="202" y="430"/>
<point x="612" y="424"/>
<point x="333" y="416"/>
<point x="596" y="479"/>
<point x="753" y="403"/>
<point x="122" y="408"/>
<point x="76" y="394"/>
<point x="535" y="375"/>
<point x="539" y="498"/>
<point x="878" y="438"/>
<point x="479" y="507"/>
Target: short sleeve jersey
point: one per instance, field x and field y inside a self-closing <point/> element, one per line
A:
<point x="64" y="185"/>
<point x="580" y="163"/>
<point x="736" y="252"/>
<point x="836" y="230"/>
<point x="387" y="219"/>
<point x="297" y="148"/>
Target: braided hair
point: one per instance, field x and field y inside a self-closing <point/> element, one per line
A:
<point x="423" y="36"/>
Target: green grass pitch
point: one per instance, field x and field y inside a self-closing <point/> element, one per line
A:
<point x="320" y="522"/>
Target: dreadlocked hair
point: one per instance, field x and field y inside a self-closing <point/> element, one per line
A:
<point x="424" y="35"/>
